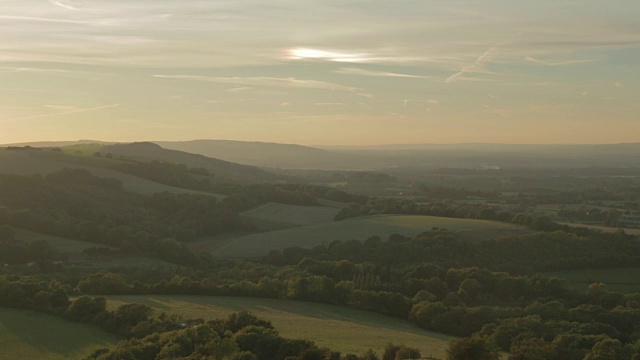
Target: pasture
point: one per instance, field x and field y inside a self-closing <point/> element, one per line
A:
<point x="622" y="280"/>
<point x="338" y="328"/>
<point x="361" y="229"/>
<point x="28" y="335"/>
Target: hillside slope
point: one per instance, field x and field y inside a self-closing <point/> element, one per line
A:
<point x="219" y="168"/>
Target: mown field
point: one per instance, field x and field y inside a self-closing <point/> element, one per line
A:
<point x="275" y="216"/>
<point x="361" y="229"/>
<point x="27" y="335"/>
<point x="339" y="328"/>
<point x="623" y="280"/>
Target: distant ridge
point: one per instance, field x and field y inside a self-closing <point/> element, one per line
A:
<point x="57" y="143"/>
<point x="267" y="154"/>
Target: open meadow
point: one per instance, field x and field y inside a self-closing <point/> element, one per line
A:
<point x="361" y="229"/>
<point x="338" y="328"/>
<point x="26" y="335"/>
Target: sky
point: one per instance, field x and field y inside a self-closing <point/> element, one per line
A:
<point x="324" y="72"/>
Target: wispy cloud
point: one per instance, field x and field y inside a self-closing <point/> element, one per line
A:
<point x="289" y="82"/>
<point x="557" y="63"/>
<point x="365" y="72"/>
<point x="61" y="110"/>
<point x="618" y="84"/>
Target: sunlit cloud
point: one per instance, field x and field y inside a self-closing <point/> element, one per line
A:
<point x="618" y="84"/>
<point x="317" y="54"/>
<point x="365" y="72"/>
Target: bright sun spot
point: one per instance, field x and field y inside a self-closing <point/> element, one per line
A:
<point x="307" y="53"/>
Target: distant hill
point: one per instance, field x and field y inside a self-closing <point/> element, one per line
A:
<point x="500" y="155"/>
<point x="384" y="157"/>
<point x="219" y="168"/>
<point x="285" y="156"/>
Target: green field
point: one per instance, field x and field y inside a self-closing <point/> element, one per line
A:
<point x="623" y="280"/>
<point x="27" y="335"/>
<point x="338" y="328"/>
<point x="272" y="216"/>
<point x="361" y="229"/>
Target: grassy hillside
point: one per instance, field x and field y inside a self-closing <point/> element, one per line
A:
<point x="361" y="229"/>
<point x="27" y="335"/>
<point x="219" y="168"/>
<point x="28" y="162"/>
<point x="273" y="215"/>
<point x="343" y="329"/>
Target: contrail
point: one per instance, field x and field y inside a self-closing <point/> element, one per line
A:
<point x="58" y="3"/>
<point x="467" y="69"/>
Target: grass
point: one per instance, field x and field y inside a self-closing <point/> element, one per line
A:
<point x="623" y="280"/>
<point x="338" y="328"/>
<point x="272" y="216"/>
<point x="361" y="229"/>
<point x="27" y="335"/>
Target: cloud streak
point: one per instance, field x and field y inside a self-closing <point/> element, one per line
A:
<point x="289" y="82"/>
<point x="63" y="110"/>
<point x="365" y="72"/>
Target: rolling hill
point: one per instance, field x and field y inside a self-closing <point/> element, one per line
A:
<point x="43" y="162"/>
<point x="146" y="151"/>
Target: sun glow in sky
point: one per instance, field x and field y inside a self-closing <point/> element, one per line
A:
<point x="321" y="72"/>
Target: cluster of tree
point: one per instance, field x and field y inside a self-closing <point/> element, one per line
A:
<point x="241" y="336"/>
<point x="526" y="254"/>
<point x="13" y="251"/>
<point x="377" y="206"/>
<point x="608" y="217"/>
<point x="439" y="192"/>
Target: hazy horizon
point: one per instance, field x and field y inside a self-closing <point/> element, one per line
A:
<point x="321" y="72"/>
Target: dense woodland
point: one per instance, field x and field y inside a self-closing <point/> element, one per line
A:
<point x="489" y="293"/>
